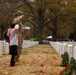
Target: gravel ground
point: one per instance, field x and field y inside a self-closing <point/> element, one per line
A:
<point x="37" y="60"/>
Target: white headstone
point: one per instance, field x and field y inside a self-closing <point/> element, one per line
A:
<point x="70" y="47"/>
<point x="75" y="52"/>
<point x="64" y="48"/>
<point x="6" y="48"/>
<point x="1" y="44"/>
<point x="59" y="49"/>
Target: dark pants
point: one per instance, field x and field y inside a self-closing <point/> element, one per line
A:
<point x="12" y="62"/>
<point x="13" y="52"/>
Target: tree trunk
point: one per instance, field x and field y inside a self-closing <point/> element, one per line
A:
<point x="2" y="30"/>
<point x="34" y="32"/>
<point x="55" y="30"/>
<point x="55" y="34"/>
<point x="40" y="35"/>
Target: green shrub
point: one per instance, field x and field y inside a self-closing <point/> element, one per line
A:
<point x="33" y="39"/>
<point x="68" y="70"/>
<point x="72" y="63"/>
<point x="65" y="59"/>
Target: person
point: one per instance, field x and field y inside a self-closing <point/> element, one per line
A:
<point x="12" y="33"/>
<point x="17" y="20"/>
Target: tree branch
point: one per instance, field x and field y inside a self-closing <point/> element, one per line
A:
<point x="33" y="24"/>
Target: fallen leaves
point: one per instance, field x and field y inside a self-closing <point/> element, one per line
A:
<point x="40" y="60"/>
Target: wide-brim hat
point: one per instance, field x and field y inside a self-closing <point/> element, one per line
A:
<point x="18" y="13"/>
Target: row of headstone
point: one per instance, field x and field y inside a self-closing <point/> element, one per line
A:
<point x="4" y="46"/>
<point x="28" y="43"/>
<point x="62" y="47"/>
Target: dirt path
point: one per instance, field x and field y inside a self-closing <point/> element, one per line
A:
<point x="37" y="60"/>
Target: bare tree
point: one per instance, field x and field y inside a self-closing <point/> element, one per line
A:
<point x="37" y="10"/>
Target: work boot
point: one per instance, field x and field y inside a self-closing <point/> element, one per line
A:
<point x="12" y="63"/>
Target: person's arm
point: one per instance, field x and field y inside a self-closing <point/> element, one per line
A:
<point x="8" y="32"/>
<point x="16" y="26"/>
